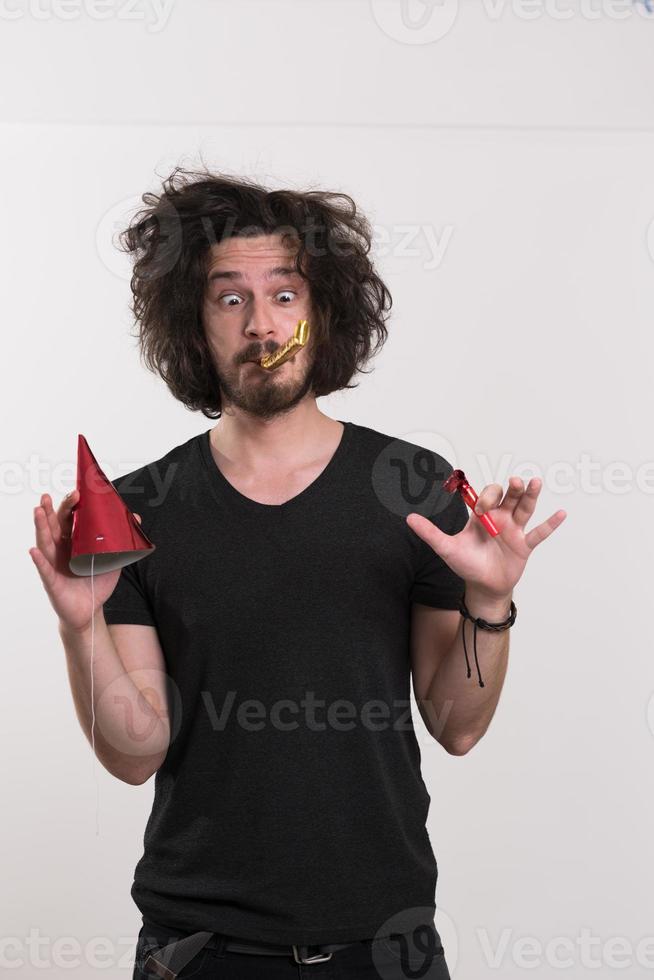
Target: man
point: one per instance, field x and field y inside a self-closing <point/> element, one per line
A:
<point x="263" y="652"/>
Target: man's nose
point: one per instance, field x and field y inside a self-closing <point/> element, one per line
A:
<point x="262" y="324"/>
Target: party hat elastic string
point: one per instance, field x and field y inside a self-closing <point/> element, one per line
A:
<point x="104" y="529"/>
<point x="95" y="768"/>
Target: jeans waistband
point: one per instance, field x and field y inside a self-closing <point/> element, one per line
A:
<point x="177" y="948"/>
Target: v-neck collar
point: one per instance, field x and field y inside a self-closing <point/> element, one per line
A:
<point x="223" y="489"/>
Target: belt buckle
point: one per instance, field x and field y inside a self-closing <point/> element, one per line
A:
<point x="316" y="958"/>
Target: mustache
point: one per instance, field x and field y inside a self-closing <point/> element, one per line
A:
<point x="259" y="354"/>
<point x="297" y="340"/>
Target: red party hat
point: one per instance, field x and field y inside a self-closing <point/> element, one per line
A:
<point x="103" y="526"/>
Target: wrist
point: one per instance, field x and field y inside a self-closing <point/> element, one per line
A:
<point x="84" y="631"/>
<point x="492" y="608"/>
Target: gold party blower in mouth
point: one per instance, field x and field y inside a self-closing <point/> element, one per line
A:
<point x="291" y="347"/>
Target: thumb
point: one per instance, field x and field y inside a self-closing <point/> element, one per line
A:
<point x="430" y="534"/>
<point x="138" y="517"/>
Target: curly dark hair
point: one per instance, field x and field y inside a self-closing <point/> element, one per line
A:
<point x="171" y="240"/>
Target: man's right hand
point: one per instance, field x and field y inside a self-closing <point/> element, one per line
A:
<point x="69" y="594"/>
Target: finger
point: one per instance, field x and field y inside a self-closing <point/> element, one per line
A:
<point x="514" y="492"/>
<point x="489" y="497"/>
<point x="527" y="502"/>
<point x="52" y="517"/>
<point x="138" y="517"/>
<point x="432" y="535"/>
<point x="69" y="501"/>
<point x="44" y="568"/>
<point x="544" y="530"/>
<point x="58" y="520"/>
<point x="44" y="534"/>
<point x="66" y="515"/>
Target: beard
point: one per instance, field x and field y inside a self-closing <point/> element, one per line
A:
<point x="261" y="393"/>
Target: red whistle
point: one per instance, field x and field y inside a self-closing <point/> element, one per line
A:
<point x="457" y="481"/>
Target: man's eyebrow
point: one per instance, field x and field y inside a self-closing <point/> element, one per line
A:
<point x="279" y="270"/>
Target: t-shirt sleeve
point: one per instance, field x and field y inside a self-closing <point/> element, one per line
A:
<point x="128" y="603"/>
<point x="435" y="584"/>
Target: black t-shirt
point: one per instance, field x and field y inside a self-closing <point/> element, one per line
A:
<point x="290" y="807"/>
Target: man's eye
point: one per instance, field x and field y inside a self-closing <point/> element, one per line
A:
<point x="230" y="296"/>
<point x="287" y="292"/>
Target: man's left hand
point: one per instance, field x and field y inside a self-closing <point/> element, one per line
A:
<point x="491" y="565"/>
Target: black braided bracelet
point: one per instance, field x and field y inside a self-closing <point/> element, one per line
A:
<point x="482" y="624"/>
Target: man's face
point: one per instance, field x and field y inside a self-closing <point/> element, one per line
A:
<point x="253" y="301"/>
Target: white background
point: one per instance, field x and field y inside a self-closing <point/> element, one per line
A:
<point x="520" y="139"/>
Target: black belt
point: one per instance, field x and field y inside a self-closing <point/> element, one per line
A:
<point x="168" y="960"/>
